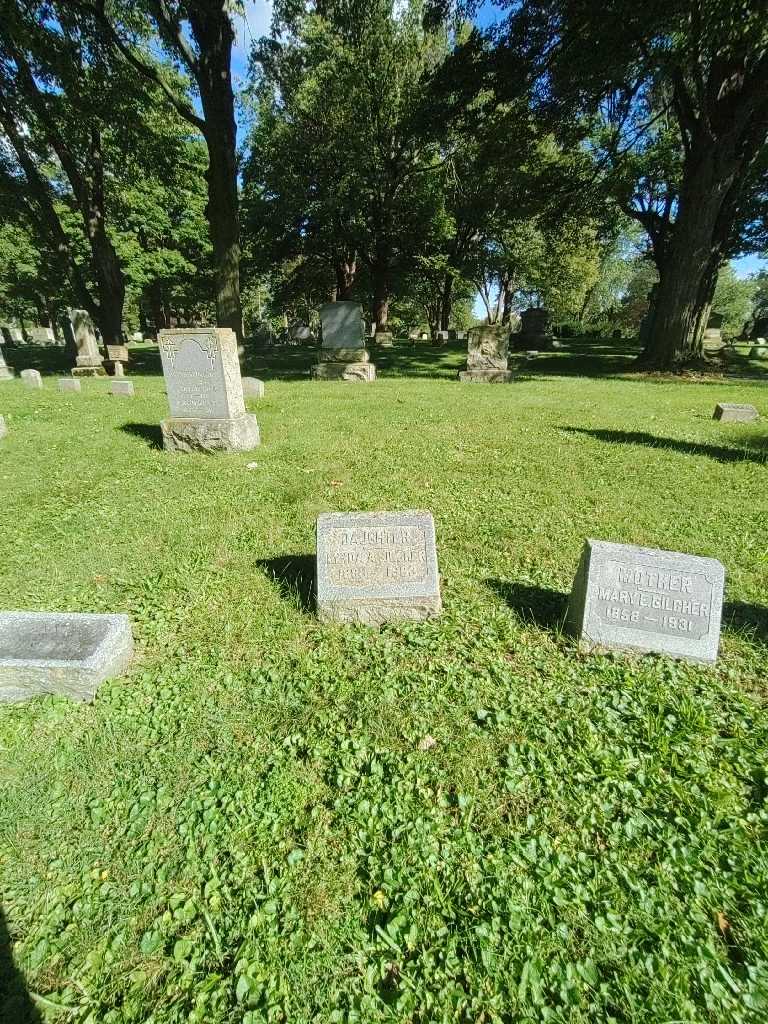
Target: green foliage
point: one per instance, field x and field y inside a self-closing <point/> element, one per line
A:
<point x="733" y="300"/>
<point x="274" y="819"/>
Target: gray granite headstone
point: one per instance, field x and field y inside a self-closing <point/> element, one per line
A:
<point x="61" y="652"/>
<point x="253" y="387"/>
<point x="205" y="392"/>
<point x="373" y="567"/>
<point x="642" y="599"/>
<point x="732" y="412"/>
<point x="124" y="388"/>
<point x="343" y="355"/>
<point x="69" y="384"/>
<point x="31" y="378"/>
<point x="41" y="336"/>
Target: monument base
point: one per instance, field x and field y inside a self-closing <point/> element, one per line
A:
<point x="343" y="355"/>
<point x="89" y="371"/>
<point x="344" y="371"/>
<point x="376" y="611"/>
<point x="240" y="434"/>
<point x="488" y="376"/>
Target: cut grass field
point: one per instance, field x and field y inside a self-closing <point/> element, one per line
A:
<point x="463" y="820"/>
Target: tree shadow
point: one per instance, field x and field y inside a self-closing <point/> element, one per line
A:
<point x="149" y="432"/>
<point x="539" y="605"/>
<point x="717" y="452"/>
<point x="295" y="576"/>
<point x="16" y="1004"/>
<point x="749" y="620"/>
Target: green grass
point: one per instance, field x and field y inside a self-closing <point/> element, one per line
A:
<point x="251" y="827"/>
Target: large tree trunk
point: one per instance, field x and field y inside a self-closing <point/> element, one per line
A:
<point x="446" y="301"/>
<point x="110" y="281"/>
<point x="212" y="28"/>
<point x="380" y="274"/>
<point x="689" y="265"/>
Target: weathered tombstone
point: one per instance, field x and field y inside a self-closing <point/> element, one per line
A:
<point x="535" y="331"/>
<point x="441" y="338"/>
<point x="42" y="336"/>
<point x="733" y="412"/>
<point x="384" y="339"/>
<point x="10" y="335"/>
<point x="124" y="388"/>
<point x="343" y="355"/>
<point x="31" y="378"/>
<point x="3" y="428"/>
<point x="205" y="392"/>
<point x="487" y="356"/>
<point x="6" y="372"/>
<point x="89" y="361"/>
<point x="117" y="357"/>
<point x="300" y="332"/>
<point x="712" y="343"/>
<point x="61" y="652"/>
<point x="253" y="387"/>
<point x="373" y="567"/>
<point x="70" y="384"/>
<point x="642" y="599"/>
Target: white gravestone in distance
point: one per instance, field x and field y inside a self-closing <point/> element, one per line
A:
<point x="205" y="392"/>
<point x="31" y="378"/>
<point x="89" y="361"/>
<point x="3" y="428"/>
<point x="122" y="388"/>
<point x="6" y="371"/>
<point x="343" y="355"/>
<point x="732" y="412"/>
<point x="253" y="387"/>
<point x="373" y="567"/>
<point x="642" y="599"/>
<point x="70" y="384"/>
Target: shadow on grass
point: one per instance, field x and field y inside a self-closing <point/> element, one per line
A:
<point x="749" y="620"/>
<point x="295" y="576"/>
<point x="543" y="607"/>
<point x="716" y="452"/>
<point x="16" y="1004"/>
<point x="148" y="432"/>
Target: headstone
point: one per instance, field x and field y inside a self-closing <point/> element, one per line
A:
<point x="11" y="335"/>
<point x="641" y="599"/>
<point x="3" y="428"/>
<point x="343" y="355"/>
<point x="61" y="652"/>
<point x="373" y="567"/>
<point x="114" y="368"/>
<point x="89" y="361"/>
<point x="123" y="388"/>
<point x="253" y="387"/>
<point x="384" y="339"/>
<point x="535" y="331"/>
<point x="205" y="392"/>
<point x="6" y="371"/>
<point x="42" y="336"/>
<point x="758" y="352"/>
<point x="441" y="337"/>
<point x="31" y="378"/>
<point x="300" y="332"/>
<point x="118" y="352"/>
<point x="732" y="412"/>
<point x="487" y="356"/>
<point x="137" y="336"/>
<point x="70" y="384"/>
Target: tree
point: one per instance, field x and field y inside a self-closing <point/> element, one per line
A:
<point x="676" y="94"/>
<point x="204" y="52"/>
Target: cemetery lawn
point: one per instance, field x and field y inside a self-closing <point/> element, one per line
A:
<point x="463" y="820"/>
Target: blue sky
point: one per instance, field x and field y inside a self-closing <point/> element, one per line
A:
<point x="256" y="23"/>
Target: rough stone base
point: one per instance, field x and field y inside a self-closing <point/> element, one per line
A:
<point x="343" y="355"/>
<point x="344" y="371"/>
<point x="231" y="435"/>
<point x="61" y="652"/>
<point x="486" y="376"/>
<point x="89" y="371"/>
<point x="377" y="611"/>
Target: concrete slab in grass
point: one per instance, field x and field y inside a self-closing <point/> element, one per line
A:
<point x="66" y="653"/>
<point x="734" y="412"/>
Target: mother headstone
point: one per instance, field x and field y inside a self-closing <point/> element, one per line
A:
<point x="205" y="392"/>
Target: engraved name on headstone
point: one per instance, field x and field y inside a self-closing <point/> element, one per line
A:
<point x="647" y="600"/>
<point x="205" y="392"/>
<point x="373" y="567"/>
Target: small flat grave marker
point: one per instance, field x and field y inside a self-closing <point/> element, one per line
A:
<point x="65" y="653"/>
<point x="124" y="388"/>
<point x="733" y="412"/>
<point x="253" y="387"/>
<point x="69" y="384"/>
<point x="373" y="567"/>
<point x="642" y="599"/>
